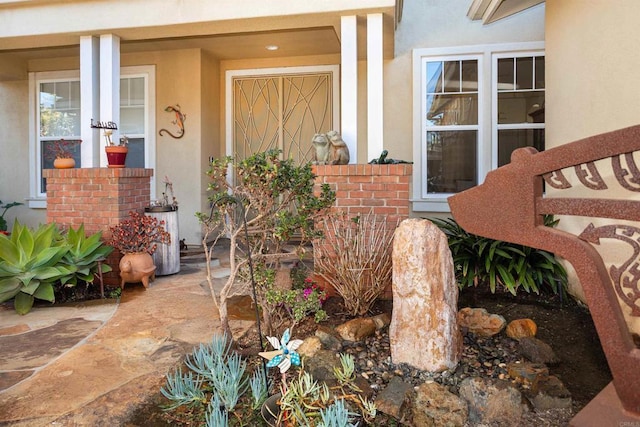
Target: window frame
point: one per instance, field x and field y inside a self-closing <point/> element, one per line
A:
<point x="487" y="115"/>
<point x="495" y="126"/>
<point x="37" y="199"/>
<point x="445" y="128"/>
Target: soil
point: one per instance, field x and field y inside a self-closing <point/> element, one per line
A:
<point x="563" y="324"/>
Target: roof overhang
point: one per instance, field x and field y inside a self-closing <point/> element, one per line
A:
<point x="491" y="10"/>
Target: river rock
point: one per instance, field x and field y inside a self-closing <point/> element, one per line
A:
<point x="521" y="328"/>
<point x="537" y="351"/>
<point x="436" y="406"/>
<point x="424" y="331"/>
<point x="551" y="394"/>
<point x="356" y="329"/>
<point x="480" y="322"/>
<point x="492" y="402"/>
<point x="392" y="399"/>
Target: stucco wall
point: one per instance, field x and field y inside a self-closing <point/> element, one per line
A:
<point x="179" y="80"/>
<point x="14" y="141"/>
<point x="592" y="87"/>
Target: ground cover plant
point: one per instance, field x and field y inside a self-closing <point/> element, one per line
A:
<point x="220" y="391"/>
<point x="480" y="261"/>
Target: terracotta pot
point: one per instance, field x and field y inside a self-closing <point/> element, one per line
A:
<point x="137" y="267"/>
<point x="116" y="155"/>
<point x="67" y="163"/>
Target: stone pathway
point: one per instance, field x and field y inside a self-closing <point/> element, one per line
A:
<point x="92" y="364"/>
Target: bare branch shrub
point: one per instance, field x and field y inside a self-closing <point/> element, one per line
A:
<point x="275" y="199"/>
<point x="355" y="258"/>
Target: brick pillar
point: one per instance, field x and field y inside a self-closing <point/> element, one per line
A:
<point x="361" y="188"/>
<point x="97" y="197"/>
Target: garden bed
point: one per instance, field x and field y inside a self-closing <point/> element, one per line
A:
<point x="566" y="326"/>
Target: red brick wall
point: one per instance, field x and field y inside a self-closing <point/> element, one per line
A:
<point x="97" y="197"/>
<point x="385" y="188"/>
<point x="360" y="188"/>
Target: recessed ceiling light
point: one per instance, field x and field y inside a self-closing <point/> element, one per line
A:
<point x="272" y="47"/>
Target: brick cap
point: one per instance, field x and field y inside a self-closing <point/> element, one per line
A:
<point x="97" y="173"/>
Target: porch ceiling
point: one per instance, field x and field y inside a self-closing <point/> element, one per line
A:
<point x="308" y="41"/>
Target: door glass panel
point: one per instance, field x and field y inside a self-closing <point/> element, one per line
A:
<point x="283" y="112"/>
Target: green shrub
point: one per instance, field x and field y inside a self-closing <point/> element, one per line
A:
<point x="481" y="261"/>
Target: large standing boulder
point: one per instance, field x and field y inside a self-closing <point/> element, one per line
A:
<point x="424" y="331"/>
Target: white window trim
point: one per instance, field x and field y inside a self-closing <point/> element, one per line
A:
<point x="36" y="200"/>
<point x="486" y="120"/>
<point x="148" y="71"/>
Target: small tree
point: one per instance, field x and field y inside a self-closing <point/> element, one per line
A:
<point x="275" y="201"/>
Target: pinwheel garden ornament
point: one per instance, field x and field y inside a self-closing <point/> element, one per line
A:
<point x="284" y="354"/>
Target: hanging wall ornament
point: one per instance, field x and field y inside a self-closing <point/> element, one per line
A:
<point x="179" y="121"/>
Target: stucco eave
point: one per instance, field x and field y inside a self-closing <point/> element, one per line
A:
<point x="61" y="23"/>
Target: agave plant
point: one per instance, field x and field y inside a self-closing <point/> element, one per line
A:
<point x="84" y="255"/>
<point x="30" y="264"/>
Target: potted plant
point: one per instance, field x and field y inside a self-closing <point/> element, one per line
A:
<point x="116" y="154"/>
<point x="61" y="152"/>
<point x="137" y="239"/>
<point x="168" y="202"/>
<point x="3" y="221"/>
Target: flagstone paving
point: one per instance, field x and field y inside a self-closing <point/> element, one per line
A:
<point x="92" y="364"/>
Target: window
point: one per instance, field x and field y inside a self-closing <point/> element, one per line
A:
<point x="451" y="128"/>
<point x="57" y="117"/>
<point x="519" y="103"/>
<point x="473" y="105"/>
<point x="56" y="114"/>
<point x="133" y="118"/>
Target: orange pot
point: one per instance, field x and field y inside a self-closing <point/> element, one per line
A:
<point x="67" y="163"/>
<point x="137" y="267"/>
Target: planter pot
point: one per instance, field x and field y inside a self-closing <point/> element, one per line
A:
<point x="137" y="267"/>
<point x="160" y="209"/>
<point x="167" y="256"/>
<point x="68" y="163"/>
<point x="116" y="155"/>
<point x="271" y="410"/>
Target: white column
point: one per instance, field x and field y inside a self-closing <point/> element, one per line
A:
<point x="349" y="84"/>
<point x="90" y="100"/>
<point x="109" y="87"/>
<point x="375" y="87"/>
